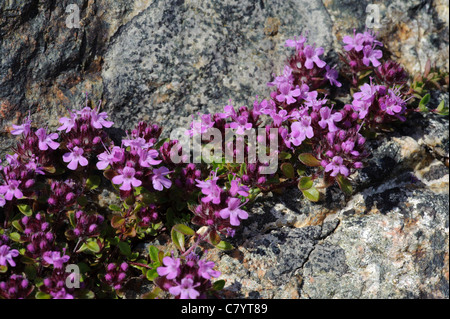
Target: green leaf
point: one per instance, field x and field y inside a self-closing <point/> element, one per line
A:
<point x="152" y="294"/>
<point x="30" y="271"/>
<point x="42" y="295"/>
<point x="90" y="245"/>
<point x="288" y="170"/>
<point x="218" y="285"/>
<point x="214" y="238"/>
<point x="425" y="99"/>
<point x="178" y="239"/>
<point x="309" y="160"/>
<point x="151" y="274"/>
<point x="117" y="221"/>
<point x="285" y="155"/>
<point x="184" y="229"/>
<point x="305" y="183"/>
<point x="93" y="182"/>
<point x="224" y="245"/>
<point x="25" y="209"/>
<point x="312" y="194"/>
<point x="124" y="248"/>
<point x="153" y="252"/>
<point x="17" y="225"/>
<point x="344" y="184"/>
<point x="15" y="236"/>
<point x="3" y="269"/>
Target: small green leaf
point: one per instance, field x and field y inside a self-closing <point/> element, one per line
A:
<point x="17" y="225"/>
<point x="344" y="184"/>
<point x="42" y="295"/>
<point x="117" y="221"/>
<point x="312" y="194"/>
<point x="178" y="239"/>
<point x="214" y="238"/>
<point x="218" y="285"/>
<point x="309" y="160"/>
<point x="3" y="269"/>
<point x="93" y="182"/>
<point x="224" y="245"/>
<point x="425" y="99"/>
<point x="15" y="236"/>
<point x="151" y="274"/>
<point x="153" y="252"/>
<point x="288" y="170"/>
<point x="285" y="155"/>
<point x="124" y="248"/>
<point x="93" y="246"/>
<point x="152" y="294"/>
<point x="25" y="209"/>
<point x="305" y="183"/>
<point x="30" y="271"/>
<point x="184" y="229"/>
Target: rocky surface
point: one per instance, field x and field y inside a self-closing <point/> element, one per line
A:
<point x="164" y="60"/>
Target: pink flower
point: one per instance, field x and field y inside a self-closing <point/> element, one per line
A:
<point x="171" y="269"/>
<point x="11" y="189"/>
<point x="371" y="55"/>
<point x="238" y="188"/>
<point x="234" y="212"/>
<point x="98" y="120"/>
<point x="329" y="118"/>
<point x="147" y="157"/>
<point x="241" y="125"/>
<point x="332" y="76"/>
<point x="46" y="141"/>
<point x="210" y="189"/>
<point x="337" y="167"/>
<point x="287" y="77"/>
<point x="355" y="42"/>
<point x="108" y="158"/>
<point x="127" y="179"/>
<point x="297" y="44"/>
<point x="185" y="289"/>
<point x="158" y="179"/>
<point x="301" y="130"/>
<point x="205" y="269"/>
<point x="7" y="255"/>
<point x="54" y="258"/>
<point x="312" y="56"/>
<point x="24" y="129"/>
<point x="287" y="94"/>
<point x="75" y="157"/>
<point x="67" y="123"/>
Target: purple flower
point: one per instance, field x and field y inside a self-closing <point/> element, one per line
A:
<point x="238" y="188"/>
<point x="337" y="167"/>
<point x="67" y="123"/>
<point x="171" y="269"/>
<point x="229" y="112"/>
<point x="287" y="94"/>
<point x="158" y="179"/>
<point x="61" y="294"/>
<point x="287" y="77"/>
<point x="392" y="103"/>
<point x="54" y="258"/>
<point x="355" y="42"/>
<point x="205" y="269"/>
<point x="363" y="100"/>
<point x="210" y="189"/>
<point x="7" y="255"/>
<point x="108" y="158"/>
<point x="312" y="101"/>
<point x="185" y="289"/>
<point x="200" y="127"/>
<point x="312" y="56"/>
<point x="98" y="120"/>
<point x="24" y="129"/>
<point x="234" y="212"/>
<point x="147" y="157"/>
<point x="332" y="76"/>
<point x="297" y="44"/>
<point x="280" y="117"/>
<point x="11" y="189"/>
<point x="371" y="55"/>
<point x="137" y="143"/>
<point x="329" y="118"/>
<point x="127" y="179"/>
<point x="46" y="141"/>
<point x="75" y="157"/>
<point x="241" y="125"/>
<point x="301" y="130"/>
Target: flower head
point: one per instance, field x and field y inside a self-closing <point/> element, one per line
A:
<point x="74" y="158"/>
<point x="186" y="289"/>
<point x="158" y="179"/>
<point x="46" y="141"/>
<point x="127" y="179"/>
<point x="312" y="56"/>
<point x="7" y="255"/>
<point x="234" y="212"/>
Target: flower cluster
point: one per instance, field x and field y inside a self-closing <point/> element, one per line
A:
<point x="186" y="278"/>
<point x="53" y="184"/>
